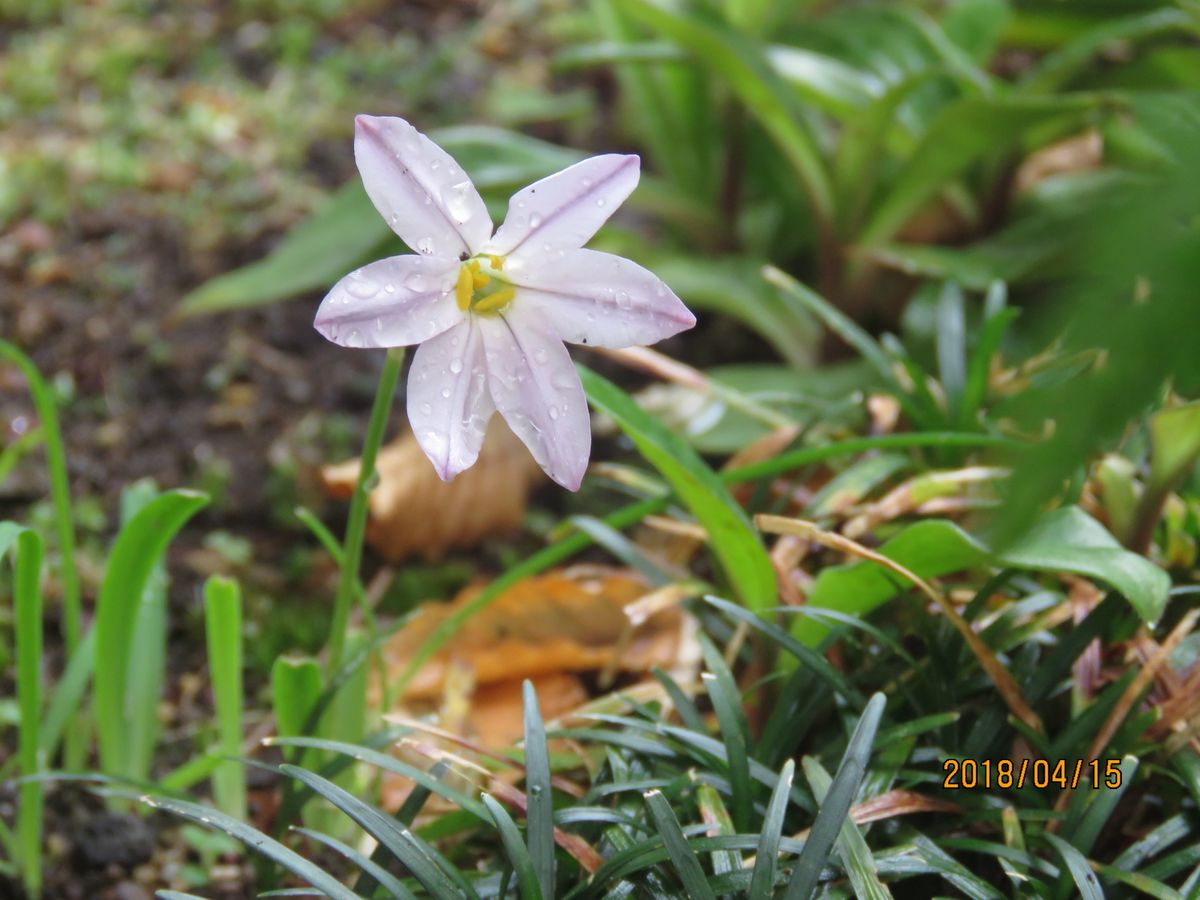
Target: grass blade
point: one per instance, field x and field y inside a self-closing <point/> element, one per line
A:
<point x="687" y="865"/>
<point x="27" y="597"/>
<point x="223" y="630"/>
<point x="732" y="538"/>
<point x="441" y="879"/>
<point x="60" y="491"/>
<point x="856" y="855"/>
<point x="255" y="840"/>
<point x="727" y="703"/>
<point x="518" y="854"/>
<point x="836" y="807"/>
<point x="389" y="882"/>
<point x="766" y="858"/>
<point x="137" y="551"/>
<point x="539" y="798"/>
<point x="1077" y="865"/>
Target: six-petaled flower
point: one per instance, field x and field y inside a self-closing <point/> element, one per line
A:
<point x="491" y="311"/>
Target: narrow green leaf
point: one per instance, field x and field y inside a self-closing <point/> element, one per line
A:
<point x="223" y="632"/>
<point x="27" y="599"/>
<point x="257" y="841"/>
<point x="518" y="854"/>
<point x="837" y="803"/>
<point x="727" y="703"/>
<point x="731" y="536"/>
<point x="138" y="549"/>
<point x="856" y="856"/>
<point x="389" y="882"/>
<point x="441" y="879"/>
<point x="60" y="491"/>
<point x="682" y="856"/>
<point x="766" y="858"/>
<point x="1102" y="802"/>
<point x="539" y="798"/>
<point x="1077" y="864"/>
<point x="712" y="809"/>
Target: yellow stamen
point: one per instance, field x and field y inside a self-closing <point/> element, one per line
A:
<point x="497" y="262"/>
<point x="480" y="280"/>
<point x="464" y="289"/>
<point x="494" y="302"/>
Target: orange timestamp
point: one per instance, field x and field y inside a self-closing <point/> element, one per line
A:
<point x="972" y="774"/>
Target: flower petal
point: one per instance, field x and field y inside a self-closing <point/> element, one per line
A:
<point x="420" y="190"/>
<point x="536" y="388"/>
<point x="448" y="401"/>
<point x="596" y="298"/>
<point x="391" y="303"/>
<point x="564" y="210"/>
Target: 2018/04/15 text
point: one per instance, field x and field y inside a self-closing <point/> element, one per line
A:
<point x="970" y="774"/>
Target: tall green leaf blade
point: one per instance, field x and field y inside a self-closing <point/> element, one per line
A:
<point x="539" y="799"/>
<point x="441" y="879"/>
<point x="257" y="841"/>
<point x="138" y="549"/>
<point x="518" y="854"/>
<point x="27" y="600"/>
<point x="223" y="633"/>
<point x="766" y="858"/>
<point x="733" y="539"/>
<point x="836" y="806"/>
<point x="682" y="856"/>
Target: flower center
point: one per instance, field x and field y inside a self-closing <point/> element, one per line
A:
<point x="482" y="290"/>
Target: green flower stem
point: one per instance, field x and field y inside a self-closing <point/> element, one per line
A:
<point x="357" y="523"/>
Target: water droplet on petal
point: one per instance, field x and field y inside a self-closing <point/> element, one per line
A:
<point x="390" y="288"/>
<point x="539" y="355"/>
<point x="425" y="245"/>
<point x="600" y="202"/>
<point x="535" y="220"/>
<point x="361" y="286"/>
<point x="445" y="393"/>
<point x="458" y="201"/>
<point x="416" y="282"/>
<point x="426" y="408"/>
<point x="456" y="365"/>
<point x="553" y="412"/>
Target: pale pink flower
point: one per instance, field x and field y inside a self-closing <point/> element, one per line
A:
<point x="491" y="311"/>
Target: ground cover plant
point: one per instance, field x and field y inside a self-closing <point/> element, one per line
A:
<point x="878" y="581"/>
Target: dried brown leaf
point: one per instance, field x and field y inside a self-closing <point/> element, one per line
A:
<point x="415" y="513"/>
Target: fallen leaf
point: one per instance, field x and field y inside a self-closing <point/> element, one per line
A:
<point x="571" y="620"/>
<point x="413" y="512"/>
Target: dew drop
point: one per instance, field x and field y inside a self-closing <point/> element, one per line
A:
<point x="425" y="245"/>
<point x="416" y="282"/>
<point x="458" y="201"/>
<point x="445" y="393"/>
<point x="553" y="412"/>
<point x="562" y="381"/>
<point x="600" y="202"/>
<point x="539" y="355"/>
<point x="379" y="324"/>
<point x="534" y="220"/>
<point x="390" y="288"/>
<point x="456" y="364"/>
<point x="360" y="286"/>
<point x="587" y="182"/>
<point x="426" y="408"/>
